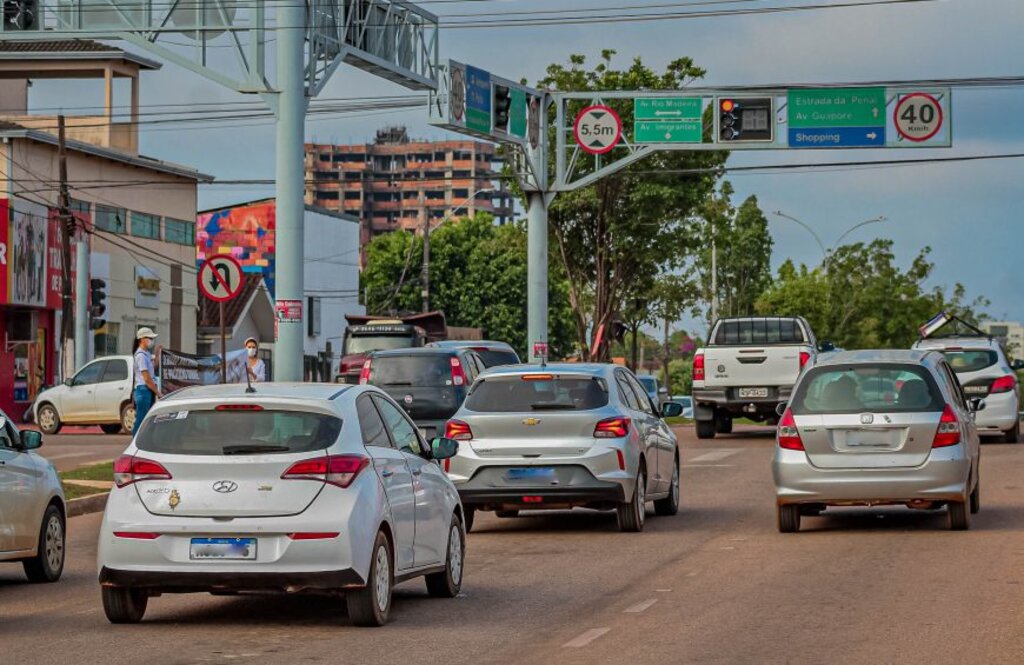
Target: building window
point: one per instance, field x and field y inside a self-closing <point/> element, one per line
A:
<point x="110" y="219"/>
<point x="145" y="226"/>
<point x="80" y="206"/>
<point x="179" y="231"/>
<point x="105" y="339"/>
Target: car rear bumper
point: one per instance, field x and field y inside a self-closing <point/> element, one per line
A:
<point x="187" y="582"/>
<point x="705" y="399"/>
<point x="573" y="485"/>
<point x="1000" y="414"/>
<point x="943" y="477"/>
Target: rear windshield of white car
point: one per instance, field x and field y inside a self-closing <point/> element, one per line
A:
<point x="236" y="432"/>
<point x="970" y="360"/>
<point x="518" y="395"/>
<point x="868" y="388"/>
<point x="759" y="331"/>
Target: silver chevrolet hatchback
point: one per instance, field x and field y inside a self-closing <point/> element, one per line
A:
<point x="871" y="428"/>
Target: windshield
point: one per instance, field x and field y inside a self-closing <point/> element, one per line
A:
<point x="512" y="395"/>
<point x="649" y="383"/>
<point x="875" y="388"/>
<point x="433" y="370"/>
<point x="237" y="432"/>
<point x="369" y="343"/>
<point x="970" y="360"/>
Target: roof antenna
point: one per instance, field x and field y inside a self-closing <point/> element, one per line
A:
<point x="248" y="379"/>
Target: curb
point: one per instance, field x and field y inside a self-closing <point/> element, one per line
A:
<point x="87" y="504"/>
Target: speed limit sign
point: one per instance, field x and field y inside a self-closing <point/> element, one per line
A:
<point x="918" y="116"/>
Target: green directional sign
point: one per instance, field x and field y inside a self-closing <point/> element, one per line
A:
<point x="667" y="108"/>
<point x="668" y="131"/>
<point x="836" y="107"/>
<point x="517" y="113"/>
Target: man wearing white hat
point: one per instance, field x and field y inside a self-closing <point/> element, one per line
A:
<point x="146" y="392"/>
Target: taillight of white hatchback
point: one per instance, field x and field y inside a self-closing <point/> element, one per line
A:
<point x="129" y="469"/>
<point x="338" y="470"/>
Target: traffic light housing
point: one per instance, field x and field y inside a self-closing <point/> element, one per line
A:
<point x="745" y="119"/>
<point x="21" y="15"/>
<point x="500" y="108"/>
<point x="97" y="298"/>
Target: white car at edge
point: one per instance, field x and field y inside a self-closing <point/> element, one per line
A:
<point x="292" y="488"/>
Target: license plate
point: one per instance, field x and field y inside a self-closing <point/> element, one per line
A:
<point x="753" y="392"/>
<point x="533" y="473"/>
<point x="975" y="390"/>
<point x="223" y="548"/>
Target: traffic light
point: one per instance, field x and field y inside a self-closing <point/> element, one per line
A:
<point x="20" y="15"/>
<point x="745" y="119"/>
<point x="500" y="107"/>
<point x="97" y="296"/>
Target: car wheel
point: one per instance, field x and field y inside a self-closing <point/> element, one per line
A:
<point x="507" y="513"/>
<point x="631" y="514"/>
<point x="48" y="563"/>
<point x="723" y="424"/>
<point x="706" y="429"/>
<point x="470" y="514"/>
<point x="1013" y="436"/>
<point x="124" y="604"/>
<point x="114" y="428"/>
<point x="128" y="417"/>
<point x="48" y="419"/>
<point x="670" y="505"/>
<point x="976" y="496"/>
<point x="448" y="583"/>
<point x="371" y="605"/>
<point x="788" y="518"/>
<point x="959" y="515"/>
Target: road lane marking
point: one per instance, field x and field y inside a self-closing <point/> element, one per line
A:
<point x="708" y="466"/>
<point x="663" y="590"/>
<point x="640" y="607"/>
<point x="586" y="638"/>
<point x="714" y="455"/>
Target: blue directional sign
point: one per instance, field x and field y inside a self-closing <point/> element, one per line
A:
<point x="836" y="118"/>
<point x="837" y="137"/>
<point x="478" y="99"/>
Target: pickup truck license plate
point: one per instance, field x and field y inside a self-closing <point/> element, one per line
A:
<point x="223" y="548"/>
<point x="747" y="393"/>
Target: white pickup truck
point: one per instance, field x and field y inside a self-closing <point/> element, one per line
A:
<point x="748" y="366"/>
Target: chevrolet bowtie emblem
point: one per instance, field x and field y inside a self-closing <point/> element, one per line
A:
<point x="530" y="422"/>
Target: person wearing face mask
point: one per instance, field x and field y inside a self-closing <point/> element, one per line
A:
<point x="253" y="364"/>
<point x="146" y="391"/>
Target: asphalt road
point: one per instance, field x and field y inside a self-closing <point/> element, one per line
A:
<point x="715" y="584"/>
<point x="71" y="450"/>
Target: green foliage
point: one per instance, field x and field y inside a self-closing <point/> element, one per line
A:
<point x="477" y="277"/>
<point x="862" y="299"/>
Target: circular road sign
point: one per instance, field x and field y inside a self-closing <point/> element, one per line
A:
<point x="597" y="129"/>
<point x="457" y="98"/>
<point x="220" y="278"/>
<point x="533" y="122"/>
<point x="918" y="117"/>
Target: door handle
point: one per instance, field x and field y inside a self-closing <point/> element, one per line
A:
<point x="387" y="473"/>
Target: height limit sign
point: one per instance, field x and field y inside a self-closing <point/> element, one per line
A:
<point x="597" y="129"/>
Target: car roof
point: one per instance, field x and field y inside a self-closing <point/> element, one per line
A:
<point x="966" y="342"/>
<point x="593" y="369"/>
<point x="124" y="357"/>
<point x="417" y="351"/>
<point x="468" y="343"/>
<point x="230" y="391"/>
<point x="913" y="356"/>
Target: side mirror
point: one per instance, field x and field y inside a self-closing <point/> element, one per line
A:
<point x="671" y="410"/>
<point x="1017" y="365"/>
<point x="68" y="382"/>
<point x="30" y="440"/>
<point x="976" y="404"/>
<point x="826" y="347"/>
<point x="780" y="409"/>
<point x="443" y="448"/>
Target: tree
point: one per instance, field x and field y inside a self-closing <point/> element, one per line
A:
<point x="615" y="236"/>
<point x="864" y="300"/>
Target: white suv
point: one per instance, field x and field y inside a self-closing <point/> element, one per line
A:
<point x="984" y="371"/>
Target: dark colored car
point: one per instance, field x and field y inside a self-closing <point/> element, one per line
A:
<point x="430" y="383"/>
<point x="491" y="352"/>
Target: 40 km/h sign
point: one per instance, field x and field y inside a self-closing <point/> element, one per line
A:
<point x="598" y="129"/>
<point x="918" y="116"/>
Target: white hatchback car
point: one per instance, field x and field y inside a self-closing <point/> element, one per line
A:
<point x="98" y="394"/>
<point x="984" y="372"/>
<point x="292" y="488"/>
<point x="31" y="505"/>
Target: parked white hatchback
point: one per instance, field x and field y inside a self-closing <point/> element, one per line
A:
<point x="98" y="394"/>
<point x="291" y="488"/>
<point x="31" y="505"/>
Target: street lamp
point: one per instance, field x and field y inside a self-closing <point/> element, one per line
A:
<point x="425" y="272"/>
<point x="827" y="253"/>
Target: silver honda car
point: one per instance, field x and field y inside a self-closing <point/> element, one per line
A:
<point x="869" y="428"/>
<point x="562" y="436"/>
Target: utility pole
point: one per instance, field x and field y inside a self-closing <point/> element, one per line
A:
<point x="714" y="277"/>
<point x="668" y="387"/>
<point x="74" y="315"/>
<point x="425" y="272"/>
<point x="290" y="105"/>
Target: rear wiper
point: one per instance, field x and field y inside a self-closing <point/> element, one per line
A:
<point x="247" y="450"/>
<point x="542" y="406"/>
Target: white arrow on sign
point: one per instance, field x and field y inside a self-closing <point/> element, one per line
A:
<point x="597" y="129"/>
<point x="873" y="136"/>
<point x="675" y="113"/>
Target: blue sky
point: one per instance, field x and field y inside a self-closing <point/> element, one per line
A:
<point x="969" y="213"/>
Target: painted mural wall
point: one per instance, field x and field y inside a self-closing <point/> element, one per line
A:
<point x="246" y="232"/>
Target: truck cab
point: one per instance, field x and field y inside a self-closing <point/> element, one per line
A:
<point x="359" y="341"/>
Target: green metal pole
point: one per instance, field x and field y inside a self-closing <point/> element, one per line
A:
<point x="291" y="116"/>
<point x="536" y="273"/>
